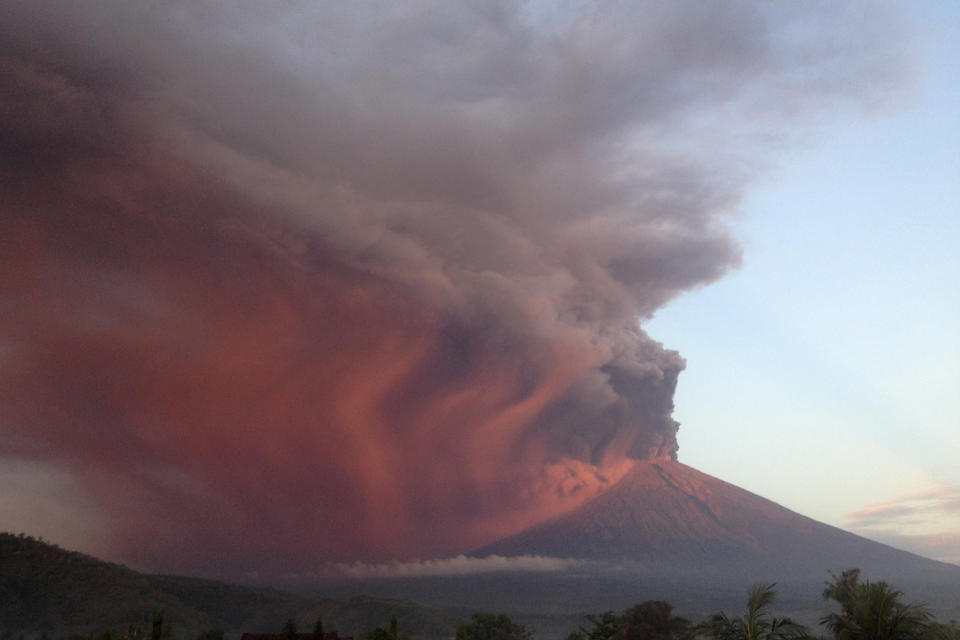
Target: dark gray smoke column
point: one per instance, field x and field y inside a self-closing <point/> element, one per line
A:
<point x="290" y="282"/>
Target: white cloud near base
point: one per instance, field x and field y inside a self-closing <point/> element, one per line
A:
<point x="459" y="565"/>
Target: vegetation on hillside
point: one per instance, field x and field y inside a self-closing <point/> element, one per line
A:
<point x="492" y="626"/>
<point x="46" y="590"/>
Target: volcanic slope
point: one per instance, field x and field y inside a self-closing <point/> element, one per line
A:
<point x="668" y="531"/>
<point x="665" y="518"/>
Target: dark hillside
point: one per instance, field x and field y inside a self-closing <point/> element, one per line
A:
<point x="234" y="607"/>
<point x="46" y="589"/>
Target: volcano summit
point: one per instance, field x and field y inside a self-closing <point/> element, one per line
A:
<point x="665" y="518"/>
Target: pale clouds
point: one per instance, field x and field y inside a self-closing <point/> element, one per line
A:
<point x="925" y="522"/>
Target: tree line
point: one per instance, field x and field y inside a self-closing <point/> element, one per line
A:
<point x="866" y="611"/>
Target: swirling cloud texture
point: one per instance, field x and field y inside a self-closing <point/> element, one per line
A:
<point x="284" y="284"/>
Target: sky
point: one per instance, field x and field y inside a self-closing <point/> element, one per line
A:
<point x="297" y="284"/>
<point x="840" y="332"/>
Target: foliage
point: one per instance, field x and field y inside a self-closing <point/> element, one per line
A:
<point x="603" y="626"/>
<point x="211" y="634"/>
<point x="653" y="620"/>
<point x="490" y="626"/>
<point x="756" y="624"/>
<point x="938" y="631"/>
<point x="44" y="588"/>
<point x="390" y="633"/>
<point x="650" y="620"/>
<point x="872" y="611"/>
<point x="841" y="588"/>
<point x="160" y="629"/>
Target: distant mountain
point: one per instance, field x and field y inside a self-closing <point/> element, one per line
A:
<point x="664" y="516"/>
<point x="46" y="589"/>
<point x="668" y="530"/>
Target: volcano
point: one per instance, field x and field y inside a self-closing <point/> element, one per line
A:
<point x="665" y="517"/>
<point x="668" y="531"/>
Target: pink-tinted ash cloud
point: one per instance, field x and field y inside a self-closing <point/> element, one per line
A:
<point x="288" y="285"/>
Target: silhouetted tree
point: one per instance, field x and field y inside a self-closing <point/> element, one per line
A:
<point x="290" y="630"/>
<point x="318" y="628"/>
<point x="939" y="631"/>
<point x="491" y="626"/>
<point x="390" y="633"/>
<point x="602" y="627"/>
<point x="377" y="634"/>
<point x="756" y="624"/>
<point x="872" y="611"/>
<point x="160" y="629"/>
<point x="653" y="620"/>
<point x="841" y="588"/>
<point x="133" y="632"/>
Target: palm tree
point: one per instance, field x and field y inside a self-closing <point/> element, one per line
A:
<point x="756" y="624"/>
<point x="842" y="587"/>
<point x="872" y="611"/>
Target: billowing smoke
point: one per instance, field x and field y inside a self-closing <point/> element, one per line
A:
<point x="289" y="283"/>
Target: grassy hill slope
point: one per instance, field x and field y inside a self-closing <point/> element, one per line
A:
<point x="46" y="589"/>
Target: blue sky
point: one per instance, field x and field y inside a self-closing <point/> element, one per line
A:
<point x="824" y="373"/>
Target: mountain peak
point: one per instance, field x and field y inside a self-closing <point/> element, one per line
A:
<point x="664" y="516"/>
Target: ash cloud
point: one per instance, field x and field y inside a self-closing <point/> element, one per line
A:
<point x="290" y="283"/>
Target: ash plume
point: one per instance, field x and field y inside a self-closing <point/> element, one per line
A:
<point x="290" y="283"/>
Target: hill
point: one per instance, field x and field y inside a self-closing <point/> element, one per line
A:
<point x="46" y="589"/>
